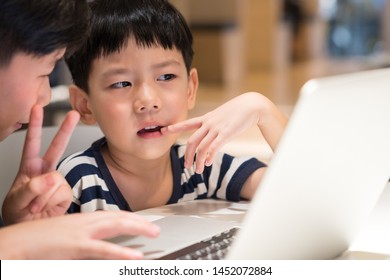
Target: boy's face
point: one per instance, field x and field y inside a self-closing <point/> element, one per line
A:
<point x="24" y="83"/>
<point x="135" y="92"/>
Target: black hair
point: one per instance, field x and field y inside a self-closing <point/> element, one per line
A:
<point x="39" y="27"/>
<point x="150" y="22"/>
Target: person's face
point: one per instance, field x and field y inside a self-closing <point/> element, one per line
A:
<point x="24" y="83"/>
<point x="135" y="92"/>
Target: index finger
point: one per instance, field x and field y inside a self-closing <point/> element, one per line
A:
<point x="183" y="126"/>
<point x="60" y="141"/>
<point x="32" y="143"/>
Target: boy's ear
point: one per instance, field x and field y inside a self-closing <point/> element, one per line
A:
<point x="79" y="100"/>
<point x="193" y="83"/>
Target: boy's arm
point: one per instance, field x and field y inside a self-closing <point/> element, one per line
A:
<point x="251" y="184"/>
<point x="217" y="127"/>
<point x="272" y="122"/>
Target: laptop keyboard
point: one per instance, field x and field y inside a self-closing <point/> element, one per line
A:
<point x="213" y="248"/>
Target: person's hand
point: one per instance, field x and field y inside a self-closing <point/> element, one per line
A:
<point x="38" y="190"/>
<point x="217" y="127"/>
<point x="74" y="236"/>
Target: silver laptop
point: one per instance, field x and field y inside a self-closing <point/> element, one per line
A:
<point x="325" y="178"/>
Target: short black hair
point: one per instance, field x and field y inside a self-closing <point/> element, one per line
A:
<point x="39" y="27"/>
<point x="150" y="22"/>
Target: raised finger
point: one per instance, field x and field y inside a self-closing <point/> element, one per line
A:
<point x="60" y="141"/>
<point x="32" y="144"/>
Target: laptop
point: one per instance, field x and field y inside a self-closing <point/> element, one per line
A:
<point x="322" y="183"/>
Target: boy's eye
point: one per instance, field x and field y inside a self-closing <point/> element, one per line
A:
<point x="121" y="85"/>
<point x="166" y="77"/>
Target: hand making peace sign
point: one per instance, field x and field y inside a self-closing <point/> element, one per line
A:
<point x="39" y="190"/>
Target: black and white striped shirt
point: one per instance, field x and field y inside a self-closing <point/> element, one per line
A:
<point x="95" y="189"/>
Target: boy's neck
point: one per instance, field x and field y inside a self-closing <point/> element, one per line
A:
<point x="143" y="183"/>
<point x="144" y="170"/>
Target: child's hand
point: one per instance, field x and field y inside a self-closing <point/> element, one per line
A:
<point x="217" y="127"/>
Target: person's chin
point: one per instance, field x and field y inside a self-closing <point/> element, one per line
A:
<point x="5" y="133"/>
<point x="2" y="137"/>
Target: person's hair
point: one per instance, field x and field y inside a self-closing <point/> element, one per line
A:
<point x="39" y="27"/>
<point x="149" y="22"/>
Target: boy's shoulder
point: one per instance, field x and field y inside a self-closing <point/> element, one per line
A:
<point x="85" y="157"/>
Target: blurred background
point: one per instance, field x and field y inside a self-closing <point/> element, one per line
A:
<point x="275" y="46"/>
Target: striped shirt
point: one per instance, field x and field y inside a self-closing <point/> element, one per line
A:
<point x="95" y="189"/>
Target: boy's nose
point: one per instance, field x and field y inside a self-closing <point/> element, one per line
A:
<point x="145" y="108"/>
<point x="147" y="100"/>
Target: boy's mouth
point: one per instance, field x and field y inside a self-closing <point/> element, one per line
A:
<point x="150" y="130"/>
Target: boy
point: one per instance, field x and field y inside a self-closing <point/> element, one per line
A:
<point x="35" y="34"/>
<point x="134" y="78"/>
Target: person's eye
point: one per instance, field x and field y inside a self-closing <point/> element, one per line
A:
<point x="120" y="85"/>
<point x="166" y="77"/>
